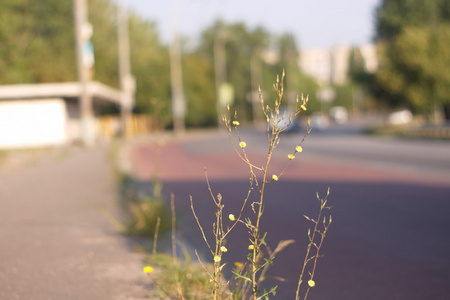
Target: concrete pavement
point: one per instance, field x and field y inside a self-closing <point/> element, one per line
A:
<point x="55" y="239"/>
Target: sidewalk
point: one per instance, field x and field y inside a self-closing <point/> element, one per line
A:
<point x="55" y="240"/>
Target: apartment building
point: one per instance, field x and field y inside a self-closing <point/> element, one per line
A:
<point x="332" y="65"/>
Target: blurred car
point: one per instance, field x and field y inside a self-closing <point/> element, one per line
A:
<point x="284" y="122"/>
<point x="400" y="117"/>
<point x="338" y="114"/>
<point x="319" y="121"/>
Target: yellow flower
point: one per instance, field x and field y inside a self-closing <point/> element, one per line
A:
<point x="231" y="217"/>
<point x="223" y="249"/>
<point x="251" y="247"/>
<point x="236" y="123"/>
<point x="299" y="148"/>
<point x="275" y="177"/>
<point x="303" y="107"/>
<point x="242" y="145"/>
<point x="217" y="258"/>
<point x="148" y="269"/>
<point x="311" y="283"/>
<point x="291" y="156"/>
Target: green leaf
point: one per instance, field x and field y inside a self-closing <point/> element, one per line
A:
<point x="237" y="275"/>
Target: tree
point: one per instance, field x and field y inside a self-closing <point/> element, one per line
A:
<point x="393" y="15"/>
<point x="414" y="38"/>
<point x="150" y="66"/>
<point x="102" y="16"/>
<point x="198" y="74"/>
<point x="415" y="68"/>
<point x="36" y="47"/>
<point x="246" y="63"/>
<point x="149" y="58"/>
<point x="288" y="53"/>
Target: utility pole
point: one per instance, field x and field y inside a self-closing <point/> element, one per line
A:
<point x="220" y="69"/>
<point x="176" y="78"/>
<point x="83" y="32"/>
<point x="255" y="75"/>
<point x="127" y="81"/>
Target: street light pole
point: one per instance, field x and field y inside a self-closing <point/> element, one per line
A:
<point x="176" y="78"/>
<point x="255" y="75"/>
<point x="83" y="32"/>
<point x="178" y="100"/>
<point x="220" y="74"/>
<point x="127" y="82"/>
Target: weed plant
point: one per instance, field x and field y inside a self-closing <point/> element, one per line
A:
<point x="248" y="276"/>
<point x="148" y="214"/>
<point x="185" y="279"/>
<point x="143" y="210"/>
<point x="174" y="278"/>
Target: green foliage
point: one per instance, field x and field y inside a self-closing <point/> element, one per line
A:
<point x="343" y="96"/>
<point x="414" y="38"/>
<point x="36" y="47"/>
<point x="144" y="216"/>
<point x="415" y="68"/>
<point x="289" y="62"/>
<point x="102" y="16"/>
<point x="198" y="76"/>
<point x="143" y="211"/>
<point x="246" y="61"/>
<point x="356" y="67"/>
<point x="149" y="58"/>
<point x="150" y="66"/>
<point x="309" y="86"/>
<point x="394" y="15"/>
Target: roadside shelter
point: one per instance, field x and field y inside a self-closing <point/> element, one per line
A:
<point x="48" y="114"/>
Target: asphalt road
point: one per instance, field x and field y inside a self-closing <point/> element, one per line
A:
<point x="390" y="233"/>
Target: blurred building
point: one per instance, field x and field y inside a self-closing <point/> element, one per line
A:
<point x="317" y="64"/>
<point x="369" y="54"/>
<point x="340" y="62"/>
<point x="48" y="114"/>
<point x="332" y="65"/>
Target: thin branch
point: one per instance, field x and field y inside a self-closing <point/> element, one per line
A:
<point x="200" y="226"/>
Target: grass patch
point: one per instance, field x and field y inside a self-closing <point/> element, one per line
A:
<point x="174" y="277"/>
<point x="143" y="211"/>
<point x="144" y="216"/>
<point x="434" y="132"/>
<point x="393" y="131"/>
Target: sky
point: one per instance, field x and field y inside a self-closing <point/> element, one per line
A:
<point x="314" y="23"/>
